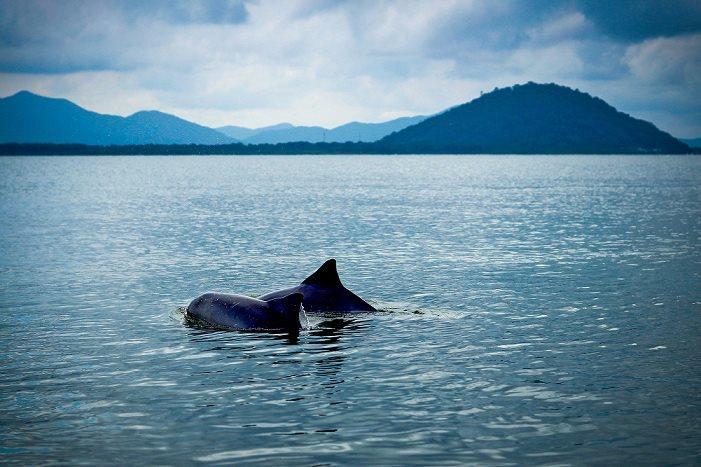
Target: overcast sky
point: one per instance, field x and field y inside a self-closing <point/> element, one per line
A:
<point x="327" y="62"/>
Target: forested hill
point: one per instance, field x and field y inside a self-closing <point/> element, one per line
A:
<point x="535" y="118"/>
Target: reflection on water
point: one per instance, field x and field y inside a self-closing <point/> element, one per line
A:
<point x="536" y="310"/>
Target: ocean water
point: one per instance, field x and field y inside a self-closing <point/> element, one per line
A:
<point x="536" y="310"/>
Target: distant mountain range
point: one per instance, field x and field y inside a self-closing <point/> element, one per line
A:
<point x="240" y="133"/>
<point x="28" y="118"/>
<point x="285" y="132"/>
<point x="692" y="142"/>
<point x="530" y="118"/>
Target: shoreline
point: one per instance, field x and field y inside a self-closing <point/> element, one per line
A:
<point x="291" y="149"/>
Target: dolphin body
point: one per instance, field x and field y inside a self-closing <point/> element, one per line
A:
<point x="242" y="312"/>
<point x="323" y="291"/>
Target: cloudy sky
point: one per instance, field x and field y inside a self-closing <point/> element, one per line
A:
<point x="327" y="62"/>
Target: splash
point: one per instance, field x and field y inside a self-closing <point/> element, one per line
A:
<point x="306" y="318"/>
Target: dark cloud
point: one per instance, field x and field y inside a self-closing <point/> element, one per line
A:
<point x="47" y="36"/>
<point x="32" y="21"/>
<point x="635" y="20"/>
<point x="506" y="24"/>
<point x="188" y="11"/>
<point x="307" y="8"/>
<point x="468" y="29"/>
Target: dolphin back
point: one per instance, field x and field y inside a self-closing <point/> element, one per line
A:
<point x="243" y="312"/>
<point x="323" y="291"/>
<point x="288" y="307"/>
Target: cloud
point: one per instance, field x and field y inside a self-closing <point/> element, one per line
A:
<point x="328" y="62"/>
<point x="77" y="35"/>
<point x="187" y="11"/>
<point x="634" y="20"/>
<point x="668" y="61"/>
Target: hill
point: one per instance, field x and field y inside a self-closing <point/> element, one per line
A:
<point x="29" y="118"/>
<point x="311" y="134"/>
<point x="286" y="133"/>
<point x="240" y="133"/>
<point x="369" y="132"/>
<point x="692" y="142"/>
<point x="534" y="118"/>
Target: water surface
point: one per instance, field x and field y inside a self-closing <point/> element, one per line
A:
<point x="537" y="310"/>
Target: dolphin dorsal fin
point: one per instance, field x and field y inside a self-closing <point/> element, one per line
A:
<point x="325" y="276"/>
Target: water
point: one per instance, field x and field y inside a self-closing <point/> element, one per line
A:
<point x="538" y="310"/>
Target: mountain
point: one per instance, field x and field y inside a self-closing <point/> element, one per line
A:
<point x="312" y="134"/>
<point x="523" y="119"/>
<point x="286" y="133"/>
<point x="240" y="133"/>
<point x="369" y="132"/>
<point x="534" y="118"/>
<point x="29" y="118"/>
<point x="692" y="142"/>
<point x="153" y="127"/>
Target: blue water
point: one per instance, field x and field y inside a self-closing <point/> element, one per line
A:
<point x="538" y="310"/>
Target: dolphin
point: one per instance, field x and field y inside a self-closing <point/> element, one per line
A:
<point x="242" y="312"/>
<point x="323" y="291"/>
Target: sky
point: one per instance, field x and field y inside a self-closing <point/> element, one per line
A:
<point x="328" y="62"/>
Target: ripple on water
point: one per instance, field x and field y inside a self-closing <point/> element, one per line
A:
<point x="535" y="310"/>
